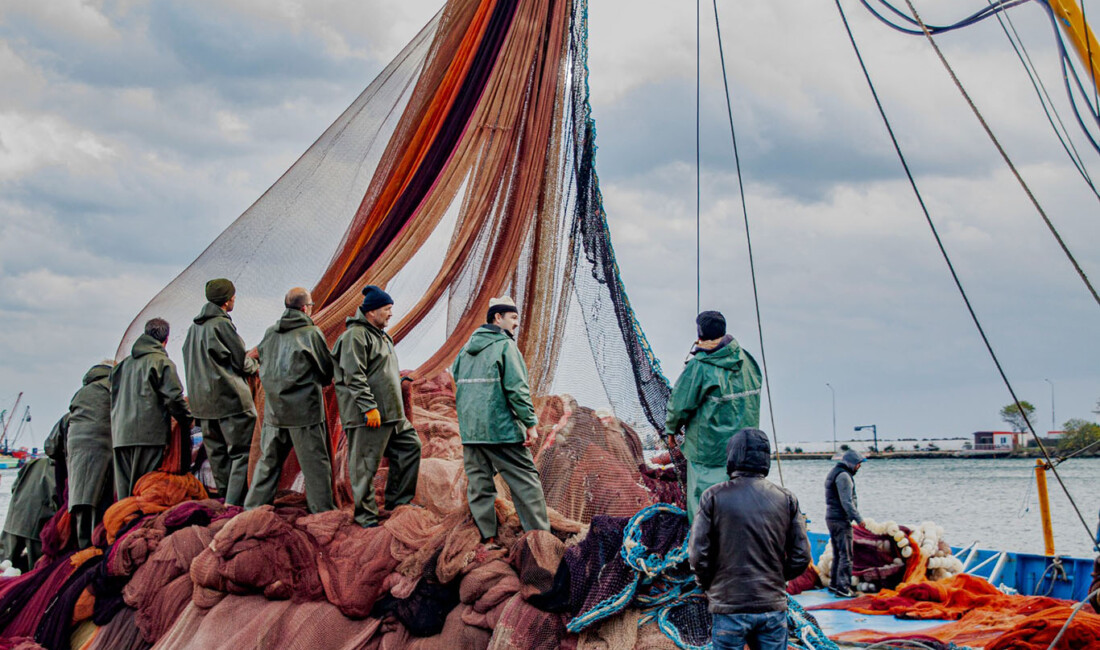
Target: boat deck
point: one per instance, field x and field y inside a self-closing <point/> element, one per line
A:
<point x="835" y="621"/>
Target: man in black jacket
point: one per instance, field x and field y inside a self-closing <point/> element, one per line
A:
<point x="748" y="539"/>
<point x="840" y="512"/>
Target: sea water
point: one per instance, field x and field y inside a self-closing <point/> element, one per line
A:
<point x="988" y="501"/>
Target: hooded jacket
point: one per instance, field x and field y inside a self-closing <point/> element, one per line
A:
<point x="146" y="393"/>
<point x="491" y="390"/>
<point x="840" y="489"/>
<point x="90" y="410"/>
<point x="295" y="365"/>
<point x="717" y="395"/>
<point x="216" y="363"/>
<point x="367" y="375"/>
<point x="33" y="499"/>
<point x="749" y="536"/>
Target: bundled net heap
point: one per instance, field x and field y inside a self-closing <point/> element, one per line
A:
<point x="464" y="171"/>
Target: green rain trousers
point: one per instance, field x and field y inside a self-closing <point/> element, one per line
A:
<point x="310" y="443"/>
<point x="396" y="441"/>
<point x="517" y="468"/>
<point x="699" y="478"/>
<point x="12" y="547"/>
<point x="228" y="441"/>
<point x="133" y="462"/>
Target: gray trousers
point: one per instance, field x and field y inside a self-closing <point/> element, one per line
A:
<point x="396" y="441"/>
<point x="311" y="445"/>
<point x="131" y="463"/>
<point x="12" y="547"/>
<point x="840" y="536"/>
<point x="84" y="521"/>
<point x="517" y="468"/>
<point x="228" y="441"/>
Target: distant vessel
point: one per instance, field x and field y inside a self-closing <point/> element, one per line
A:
<point x="11" y="457"/>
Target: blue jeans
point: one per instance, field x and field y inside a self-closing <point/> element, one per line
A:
<point x="766" y="631"/>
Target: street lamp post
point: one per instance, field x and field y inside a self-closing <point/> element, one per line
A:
<point x="833" y="391"/>
<point x="1053" y="427"/>
<point x="874" y="432"/>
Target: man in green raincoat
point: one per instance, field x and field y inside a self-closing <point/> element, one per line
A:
<point x="146" y="393"/>
<point x="217" y="366"/>
<point x="496" y="419"/>
<point x="368" y="391"/>
<point x="295" y="365"/>
<point x="89" y="452"/>
<point x="717" y="395"/>
<point x="33" y="502"/>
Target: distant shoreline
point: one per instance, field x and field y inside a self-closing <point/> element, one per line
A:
<point x="962" y="454"/>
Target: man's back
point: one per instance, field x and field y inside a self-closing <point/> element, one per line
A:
<point x="295" y="364"/>
<point x="216" y="362"/>
<point x="749" y="537"/>
<point x="145" y="392"/>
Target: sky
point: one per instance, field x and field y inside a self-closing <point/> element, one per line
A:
<point x="133" y="132"/>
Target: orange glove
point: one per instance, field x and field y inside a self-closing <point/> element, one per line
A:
<point x="373" y="418"/>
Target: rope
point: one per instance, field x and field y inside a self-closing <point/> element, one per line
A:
<point x="805" y="629"/>
<point x="1065" y="626"/>
<point x="1004" y="154"/>
<point x="947" y="260"/>
<point x="748" y="241"/>
<point x="698" y="166"/>
<point x="1045" y="101"/>
<point x="1004" y="377"/>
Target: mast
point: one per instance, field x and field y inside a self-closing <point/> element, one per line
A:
<point x="1071" y="18"/>
<point x="7" y="423"/>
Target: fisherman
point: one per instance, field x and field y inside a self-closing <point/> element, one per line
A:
<point x="368" y="391"/>
<point x="748" y="539"/>
<point x="840" y="511"/>
<point x="295" y="365"/>
<point x="146" y="392"/>
<point x="89" y="452"/>
<point x="55" y="447"/>
<point x="217" y="366"/>
<point x="33" y="502"/>
<point x="496" y="419"/>
<point x="716" y="395"/>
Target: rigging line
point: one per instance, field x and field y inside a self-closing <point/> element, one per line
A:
<point x="1088" y="49"/>
<point x="1004" y="155"/>
<point x="950" y="265"/>
<point x="748" y="240"/>
<point x="1045" y="100"/>
<point x="698" y="168"/>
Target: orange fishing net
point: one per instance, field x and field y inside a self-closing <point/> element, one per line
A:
<point x="155" y="492"/>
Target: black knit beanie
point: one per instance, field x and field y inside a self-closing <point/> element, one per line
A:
<point x="373" y="298"/>
<point x="219" y="291"/>
<point x="711" y="325"/>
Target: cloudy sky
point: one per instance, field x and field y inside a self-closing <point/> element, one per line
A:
<point x="133" y="132"/>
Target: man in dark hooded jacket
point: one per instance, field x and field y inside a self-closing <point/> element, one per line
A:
<point x="89" y="452"/>
<point x="716" y="395"/>
<point x="368" y="391"/>
<point x="748" y="539"/>
<point x="33" y="502"/>
<point x="217" y="365"/>
<point x="146" y="393"/>
<point x="496" y="419"/>
<point x="295" y="366"/>
<point x="840" y="512"/>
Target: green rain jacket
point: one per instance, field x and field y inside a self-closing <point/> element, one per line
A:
<point x="33" y="499"/>
<point x="491" y="391"/>
<point x="216" y="364"/>
<point x="90" y="410"/>
<point x="367" y="375"/>
<point x="295" y="365"/>
<point x="717" y="395"/>
<point x="56" y="443"/>
<point x="146" y="392"/>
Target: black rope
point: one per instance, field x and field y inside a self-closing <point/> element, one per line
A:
<point x="950" y="265"/>
<point x="698" y="167"/>
<point x="1047" y="104"/>
<point x="748" y="240"/>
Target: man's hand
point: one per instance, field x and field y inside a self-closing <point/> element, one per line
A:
<point x="532" y="437"/>
<point x="373" y="418"/>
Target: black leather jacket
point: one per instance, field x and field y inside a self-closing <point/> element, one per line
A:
<point x="749" y="536"/>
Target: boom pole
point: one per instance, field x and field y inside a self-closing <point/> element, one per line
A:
<point x="1071" y="18"/>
